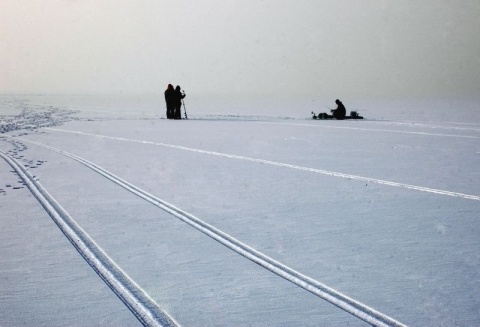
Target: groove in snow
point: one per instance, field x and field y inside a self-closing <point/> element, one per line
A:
<point x="329" y="294"/>
<point x="379" y="130"/>
<point x="139" y="303"/>
<point x="285" y="165"/>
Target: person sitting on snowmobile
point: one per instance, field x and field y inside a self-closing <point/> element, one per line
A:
<point x="340" y="112"/>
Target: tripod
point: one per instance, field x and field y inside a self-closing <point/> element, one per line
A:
<point x="184" y="108"/>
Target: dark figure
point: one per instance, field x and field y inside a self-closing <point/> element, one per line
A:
<point x="178" y="96"/>
<point x="340" y="112"/>
<point x="170" y="101"/>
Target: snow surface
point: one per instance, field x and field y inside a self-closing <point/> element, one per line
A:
<point x="383" y="210"/>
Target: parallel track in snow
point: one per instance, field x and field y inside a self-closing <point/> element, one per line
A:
<point x="389" y="130"/>
<point x="290" y="166"/>
<point x="136" y="299"/>
<point x="323" y="291"/>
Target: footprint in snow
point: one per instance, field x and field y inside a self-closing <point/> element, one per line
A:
<point x="441" y="228"/>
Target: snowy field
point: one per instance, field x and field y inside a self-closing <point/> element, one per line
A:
<point x="189" y="214"/>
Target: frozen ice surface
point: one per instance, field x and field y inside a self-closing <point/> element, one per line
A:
<point x="243" y="167"/>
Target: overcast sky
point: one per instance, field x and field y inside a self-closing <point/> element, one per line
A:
<point x="368" y="48"/>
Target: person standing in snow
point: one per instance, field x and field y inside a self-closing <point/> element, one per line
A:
<point x="170" y="101"/>
<point x="340" y="112"/>
<point x="178" y="96"/>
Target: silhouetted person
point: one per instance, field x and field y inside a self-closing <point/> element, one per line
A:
<point x="170" y="101"/>
<point x="340" y="112"/>
<point x="178" y="96"/>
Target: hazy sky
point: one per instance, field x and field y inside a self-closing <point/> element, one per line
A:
<point x="273" y="47"/>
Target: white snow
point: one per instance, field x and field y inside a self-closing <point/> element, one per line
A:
<point x="384" y="211"/>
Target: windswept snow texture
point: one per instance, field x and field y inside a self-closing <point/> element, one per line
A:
<point x="308" y="194"/>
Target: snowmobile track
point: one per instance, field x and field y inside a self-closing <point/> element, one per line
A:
<point x="139" y="303"/>
<point x="354" y="307"/>
<point x="290" y="166"/>
<point x="385" y="130"/>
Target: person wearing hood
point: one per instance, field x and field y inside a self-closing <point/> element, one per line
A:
<point x="340" y="112"/>
<point x="178" y="96"/>
<point x="170" y="101"/>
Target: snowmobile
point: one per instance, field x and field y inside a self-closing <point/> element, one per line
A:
<point x="324" y="115"/>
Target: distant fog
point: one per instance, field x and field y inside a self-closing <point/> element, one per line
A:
<point x="371" y="48"/>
